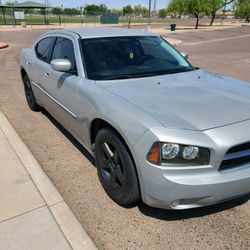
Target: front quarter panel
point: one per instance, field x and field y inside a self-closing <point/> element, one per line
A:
<point x="96" y="102"/>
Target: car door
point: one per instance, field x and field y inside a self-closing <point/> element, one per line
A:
<point x="39" y="65"/>
<point x="62" y="86"/>
<point x="59" y="88"/>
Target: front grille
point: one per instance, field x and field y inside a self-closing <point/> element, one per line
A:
<point x="236" y="157"/>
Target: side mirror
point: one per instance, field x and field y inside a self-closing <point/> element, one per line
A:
<point x="185" y="55"/>
<point x="61" y="65"/>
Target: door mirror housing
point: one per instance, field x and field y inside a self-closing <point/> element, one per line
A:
<point x="61" y="65"/>
<point x="185" y="55"/>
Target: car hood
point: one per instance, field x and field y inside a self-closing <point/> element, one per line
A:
<point x="196" y="100"/>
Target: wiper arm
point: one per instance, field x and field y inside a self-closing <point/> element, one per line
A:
<point x="118" y="77"/>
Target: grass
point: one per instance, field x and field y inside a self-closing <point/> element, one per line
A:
<point x="52" y="19"/>
<point x="39" y="19"/>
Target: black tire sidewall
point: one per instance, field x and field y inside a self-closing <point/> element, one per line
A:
<point x="129" y="193"/>
<point x="32" y="103"/>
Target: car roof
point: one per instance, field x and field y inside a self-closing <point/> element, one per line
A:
<point x="103" y="32"/>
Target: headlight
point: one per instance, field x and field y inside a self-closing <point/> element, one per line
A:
<point x="190" y="152"/>
<point x="170" y="150"/>
<point x="182" y="155"/>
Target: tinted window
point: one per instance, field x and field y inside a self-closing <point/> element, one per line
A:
<point x="43" y="49"/>
<point x="64" y="49"/>
<point x="128" y="57"/>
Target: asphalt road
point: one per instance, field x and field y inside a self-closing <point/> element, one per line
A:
<point x="224" y="226"/>
<point x="223" y="51"/>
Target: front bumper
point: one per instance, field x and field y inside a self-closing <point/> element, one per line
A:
<point x="183" y="191"/>
<point x="189" y="187"/>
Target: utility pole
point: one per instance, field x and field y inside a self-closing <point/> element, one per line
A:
<point x="154" y="9"/>
<point x="46" y="2"/>
<point x="149" y="17"/>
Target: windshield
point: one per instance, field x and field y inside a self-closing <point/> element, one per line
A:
<point x="130" y="57"/>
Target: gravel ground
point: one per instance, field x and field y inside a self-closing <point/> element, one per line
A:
<point x="225" y="226"/>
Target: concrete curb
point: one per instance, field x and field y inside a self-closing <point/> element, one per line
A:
<point x="3" y="45"/>
<point x="70" y="226"/>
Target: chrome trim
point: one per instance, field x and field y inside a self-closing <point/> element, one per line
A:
<point x="236" y="155"/>
<point x="56" y="101"/>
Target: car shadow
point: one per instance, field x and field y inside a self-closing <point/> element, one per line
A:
<point x="173" y="215"/>
<point x="161" y="214"/>
<point x="66" y="133"/>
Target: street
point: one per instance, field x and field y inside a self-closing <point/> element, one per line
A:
<point x="72" y="170"/>
<point x="222" y="51"/>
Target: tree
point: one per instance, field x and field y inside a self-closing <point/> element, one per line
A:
<point x="103" y="8"/>
<point x="71" y="11"/>
<point x="56" y="11"/>
<point x="127" y="10"/>
<point x="92" y="8"/>
<point x="214" y="6"/>
<point x="42" y="12"/>
<point x="28" y="11"/>
<point x="242" y="9"/>
<point x="116" y="11"/>
<point x="163" y="13"/>
<point x="176" y="6"/>
<point x="189" y="7"/>
<point x="140" y="10"/>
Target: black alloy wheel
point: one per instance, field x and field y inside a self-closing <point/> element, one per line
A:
<point x="116" y="169"/>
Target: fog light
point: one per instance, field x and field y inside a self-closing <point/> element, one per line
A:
<point x="190" y="152"/>
<point x="170" y="150"/>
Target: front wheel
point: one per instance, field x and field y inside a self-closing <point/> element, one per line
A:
<point x="31" y="100"/>
<point x="115" y="168"/>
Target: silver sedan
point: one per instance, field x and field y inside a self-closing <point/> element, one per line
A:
<point x="160" y="130"/>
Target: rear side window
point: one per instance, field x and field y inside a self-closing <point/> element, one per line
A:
<point x="43" y="49"/>
<point x="64" y="49"/>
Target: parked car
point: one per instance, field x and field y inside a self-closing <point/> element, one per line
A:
<point x="160" y="130"/>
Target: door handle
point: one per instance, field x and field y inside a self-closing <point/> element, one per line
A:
<point x="28" y="63"/>
<point x="47" y="74"/>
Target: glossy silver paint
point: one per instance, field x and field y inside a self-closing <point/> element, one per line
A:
<point x="61" y="65"/>
<point x="192" y="108"/>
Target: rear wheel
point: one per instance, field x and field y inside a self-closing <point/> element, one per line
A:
<point x="115" y="168"/>
<point x="31" y="100"/>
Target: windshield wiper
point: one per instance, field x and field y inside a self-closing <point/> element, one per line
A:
<point x="117" y="77"/>
<point x="127" y="76"/>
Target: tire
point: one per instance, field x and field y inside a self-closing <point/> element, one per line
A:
<point x="30" y="97"/>
<point x="115" y="168"/>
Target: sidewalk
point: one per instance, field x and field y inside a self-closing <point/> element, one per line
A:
<point x="33" y="215"/>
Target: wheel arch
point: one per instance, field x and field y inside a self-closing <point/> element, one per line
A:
<point x="97" y="124"/>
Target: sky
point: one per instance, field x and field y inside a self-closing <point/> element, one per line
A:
<point x="110" y="3"/>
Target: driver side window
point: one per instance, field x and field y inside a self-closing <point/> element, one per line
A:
<point x="63" y="49"/>
<point x="43" y="49"/>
